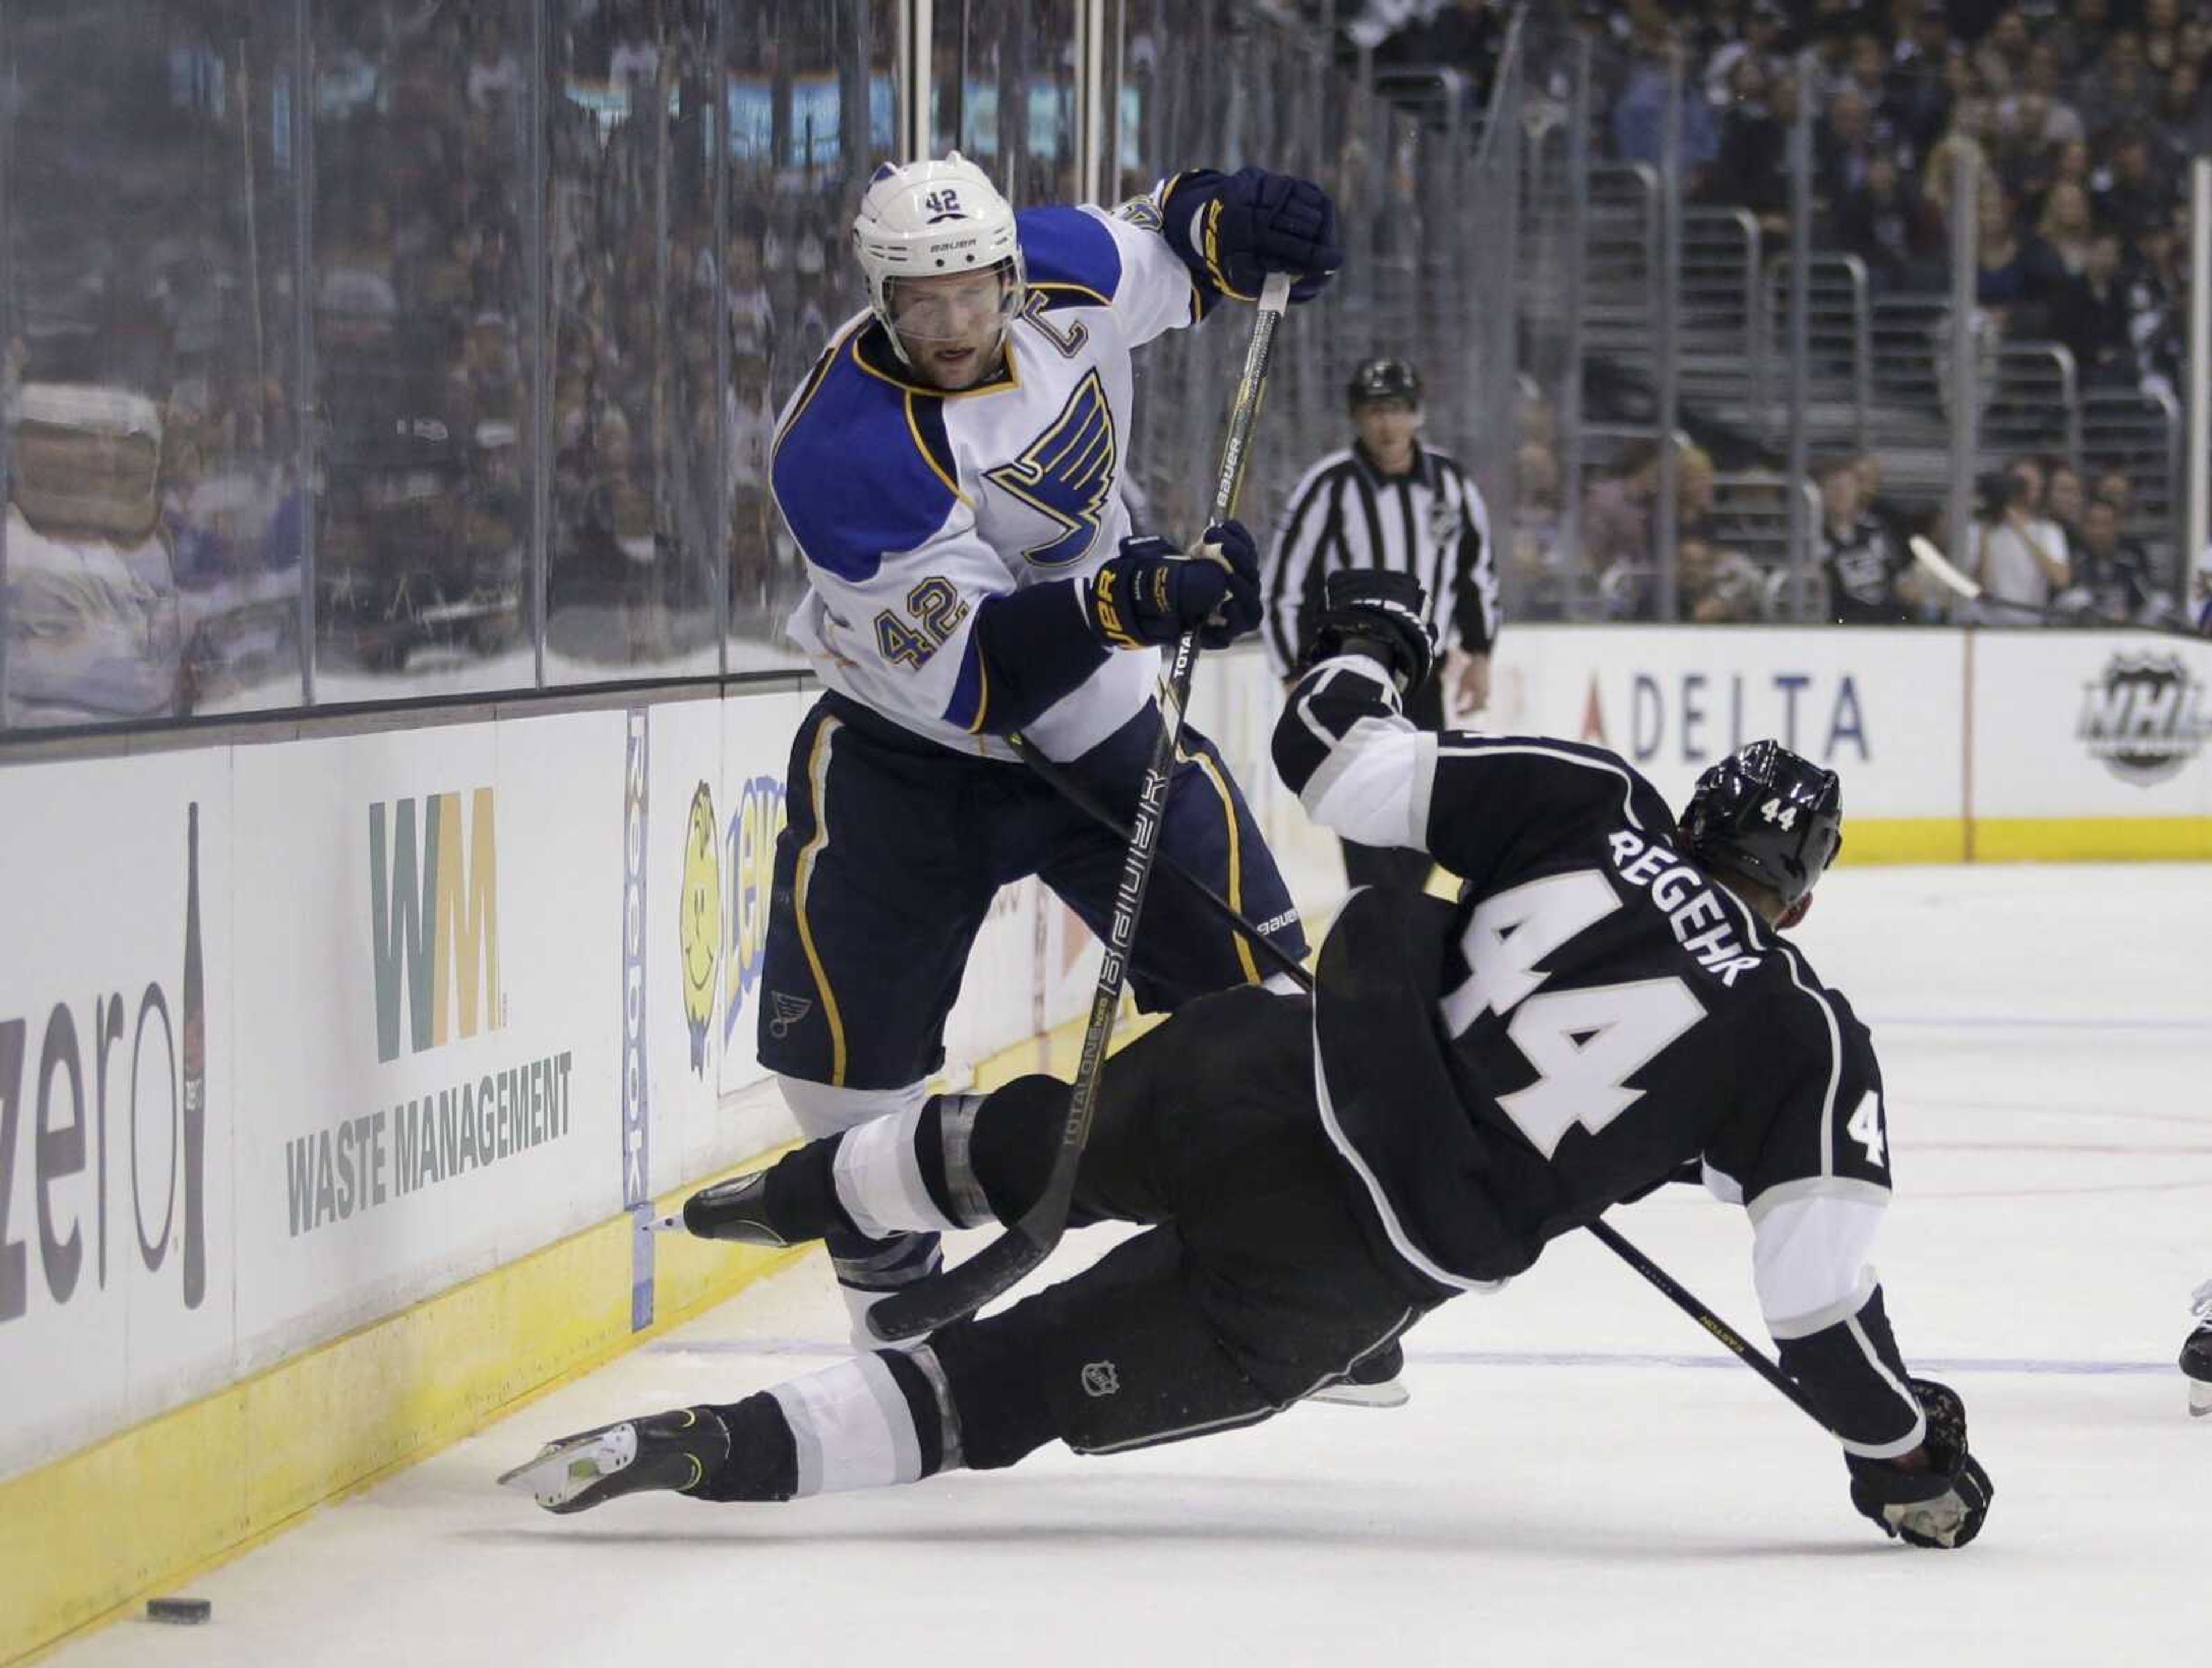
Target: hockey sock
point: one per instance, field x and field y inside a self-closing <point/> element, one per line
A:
<point x="879" y="1176"/>
<point x="877" y="1420"/>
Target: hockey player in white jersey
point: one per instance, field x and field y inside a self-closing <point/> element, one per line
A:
<point x="951" y="468"/>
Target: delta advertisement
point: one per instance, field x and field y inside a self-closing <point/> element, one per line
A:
<point x="1883" y="708"/>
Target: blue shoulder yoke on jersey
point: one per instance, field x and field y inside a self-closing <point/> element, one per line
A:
<point x="1071" y="256"/>
<point x="864" y="468"/>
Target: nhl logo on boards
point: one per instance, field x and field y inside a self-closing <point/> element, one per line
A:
<point x="2144" y="717"/>
<point x="1099" y="1379"/>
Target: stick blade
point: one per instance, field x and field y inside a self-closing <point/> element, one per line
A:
<point x="957" y="1292"/>
<point x="1925" y="553"/>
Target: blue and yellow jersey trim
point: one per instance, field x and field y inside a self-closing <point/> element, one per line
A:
<point x="864" y="467"/>
<point x="1067" y="251"/>
<point x="970" y="706"/>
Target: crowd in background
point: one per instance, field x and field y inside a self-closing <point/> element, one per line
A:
<point x="150" y="204"/>
<point x="2082" y="118"/>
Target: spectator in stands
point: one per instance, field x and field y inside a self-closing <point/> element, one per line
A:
<point x="2019" y="277"/>
<point x="1640" y="113"/>
<point x="2161" y="32"/>
<point x="2118" y="87"/>
<point x="1761" y="41"/>
<point x="2017" y="557"/>
<point x="2077" y="33"/>
<point x="1844" y="146"/>
<point x="2032" y="480"/>
<point x="2129" y="193"/>
<point x="2112" y="579"/>
<point x="2001" y="59"/>
<point x="1868" y="576"/>
<point x="1751" y="169"/>
<point x="1919" y="101"/>
<point x="2063" y="499"/>
<point x="2116" y="487"/>
<point x="2067" y="227"/>
<point x="1718" y="586"/>
<point x="1877" y="223"/>
<point x="2157" y="314"/>
<point x="495" y="80"/>
<point x="2184" y="123"/>
<point x="2041" y="102"/>
<point x="1617" y="513"/>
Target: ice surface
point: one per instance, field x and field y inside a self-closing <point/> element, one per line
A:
<point x="1582" y="1477"/>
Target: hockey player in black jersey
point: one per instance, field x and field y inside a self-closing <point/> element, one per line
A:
<point x="1609" y="1002"/>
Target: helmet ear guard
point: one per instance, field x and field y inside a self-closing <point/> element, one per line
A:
<point x="1766" y="816"/>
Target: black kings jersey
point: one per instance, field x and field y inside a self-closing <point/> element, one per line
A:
<point x="1593" y="1014"/>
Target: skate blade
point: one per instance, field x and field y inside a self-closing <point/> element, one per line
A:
<point x="2200" y="1401"/>
<point x="1390" y="1393"/>
<point x="566" y="1469"/>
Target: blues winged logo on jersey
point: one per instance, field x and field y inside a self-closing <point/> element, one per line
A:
<point x="913" y="506"/>
<point x="1068" y="474"/>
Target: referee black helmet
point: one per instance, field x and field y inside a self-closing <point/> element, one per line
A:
<point x="1381" y="379"/>
<point x="1765" y="814"/>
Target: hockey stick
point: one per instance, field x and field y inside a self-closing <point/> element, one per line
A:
<point x="1618" y="1243"/>
<point x="1064" y="783"/>
<point x="1682" y="1299"/>
<point x="964" y="1288"/>
<point x="1945" y="573"/>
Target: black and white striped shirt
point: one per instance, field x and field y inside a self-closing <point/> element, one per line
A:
<point x="1346" y="513"/>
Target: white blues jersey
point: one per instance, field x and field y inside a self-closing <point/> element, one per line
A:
<point x="913" y="504"/>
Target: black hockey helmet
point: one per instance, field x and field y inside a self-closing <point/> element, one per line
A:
<point x="1380" y="379"/>
<point x="1765" y="815"/>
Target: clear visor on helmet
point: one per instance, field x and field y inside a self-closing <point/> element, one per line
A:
<point x="957" y="306"/>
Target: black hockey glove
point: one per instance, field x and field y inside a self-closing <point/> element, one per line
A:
<point x="1262" y="223"/>
<point x="1377" y="613"/>
<point x="1152" y="593"/>
<point x="1941" y="1507"/>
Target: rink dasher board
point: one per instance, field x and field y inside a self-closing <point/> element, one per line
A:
<point x="2043" y="745"/>
<point x="463" y="1009"/>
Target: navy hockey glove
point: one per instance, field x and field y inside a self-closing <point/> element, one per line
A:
<point x="1261" y="222"/>
<point x="1152" y="593"/>
<point x="1377" y="613"/>
<point x="1941" y="1507"/>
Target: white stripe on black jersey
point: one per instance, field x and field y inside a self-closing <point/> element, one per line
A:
<point x="1344" y="513"/>
<point x="1592" y="1015"/>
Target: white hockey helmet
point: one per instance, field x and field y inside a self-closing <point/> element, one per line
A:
<point x="932" y="220"/>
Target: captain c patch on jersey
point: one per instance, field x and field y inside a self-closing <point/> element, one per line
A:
<point x="1066" y="475"/>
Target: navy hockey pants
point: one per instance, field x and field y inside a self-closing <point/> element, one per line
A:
<point x="896" y="846"/>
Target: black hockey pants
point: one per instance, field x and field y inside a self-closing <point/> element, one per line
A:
<point x="1260" y="1279"/>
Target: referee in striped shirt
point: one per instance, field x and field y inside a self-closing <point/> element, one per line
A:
<point x="1387" y="501"/>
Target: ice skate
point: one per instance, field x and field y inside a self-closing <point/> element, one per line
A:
<point x="675" y="1449"/>
<point x="735" y="1210"/>
<point x="1375" y="1381"/>
<point x="2196" y="1355"/>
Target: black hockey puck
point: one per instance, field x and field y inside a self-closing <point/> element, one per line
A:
<point x="184" y="1612"/>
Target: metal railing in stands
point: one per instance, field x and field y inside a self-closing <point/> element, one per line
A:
<point x="2141" y="433"/>
<point x="1839" y="378"/>
<point x="1724" y="352"/>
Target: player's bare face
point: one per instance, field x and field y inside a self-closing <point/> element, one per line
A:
<point x="953" y="328"/>
<point x="1387" y="429"/>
